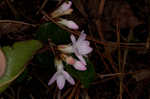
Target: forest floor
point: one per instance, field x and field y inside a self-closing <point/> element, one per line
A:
<point x="119" y="32"/>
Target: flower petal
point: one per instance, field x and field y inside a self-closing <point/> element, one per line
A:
<point x="72" y="25"/>
<point x="89" y="50"/>
<point x="79" y="66"/>
<point x="82" y="36"/>
<point x="68" y="77"/>
<point x="68" y="23"/>
<point x="84" y="42"/>
<point x="52" y="80"/>
<point x="83" y="50"/>
<point x="73" y="39"/>
<point x="65" y="6"/>
<point x="82" y="59"/>
<point x="60" y="81"/>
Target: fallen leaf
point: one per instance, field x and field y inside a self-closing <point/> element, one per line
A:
<point x="11" y="26"/>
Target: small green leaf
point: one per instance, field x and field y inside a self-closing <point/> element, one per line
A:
<point x="53" y="32"/>
<point x="85" y="77"/>
<point x="17" y="56"/>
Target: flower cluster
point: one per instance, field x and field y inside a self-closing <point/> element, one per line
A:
<point x="79" y="47"/>
<point x="65" y="9"/>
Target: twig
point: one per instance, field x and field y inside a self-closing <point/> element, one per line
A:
<point x="42" y="6"/>
<point x="119" y="59"/>
<point x="103" y="81"/>
<point x="73" y="91"/>
<point x="98" y="25"/>
<point x="41" y="81"/>
<point x="118" y="74"/>
<point x="105" y="43"/>
<point x="126" y="50"/>
<point x="98" y="21"/>
<point x="66" y="93"/>
<point x="102" y="57"/>
<point x="17" y="22"/>
<point x="18" y="92"/>
<point x="52" y="45"/>
<point x="148" y="20"/>
<point x="14" y="11"/>
<point x="101" y="7"/>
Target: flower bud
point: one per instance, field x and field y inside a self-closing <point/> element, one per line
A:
<point x="79" y="66"/>
<point x="65" y="6"/>
<point x="75" y="63"/>
<point x="64" y="9"/>
<point x="65" y="48"/>
<point x="68" y="23"/>
<point x="68" y="59"/>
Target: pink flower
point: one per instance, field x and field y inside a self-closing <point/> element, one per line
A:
<point x="75" y="63"/>
<point x="81" y="47"/>
<point x="61" y="76"/>
<point x="79" y="65"/>
<point x="68" y="23"/>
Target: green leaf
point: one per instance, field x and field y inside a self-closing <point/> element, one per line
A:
<point x="17" y="57"/>
<point x="53" y="32"/>
<point x="85" y="77"/>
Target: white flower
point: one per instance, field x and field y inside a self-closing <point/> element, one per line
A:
<point x="68" y="23"/>
<point x="81" y="47"/>
<point x="61" y="76"/>
<point x="64" y="9"/>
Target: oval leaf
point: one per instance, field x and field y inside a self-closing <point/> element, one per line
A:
<point x="17" y="56"/>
